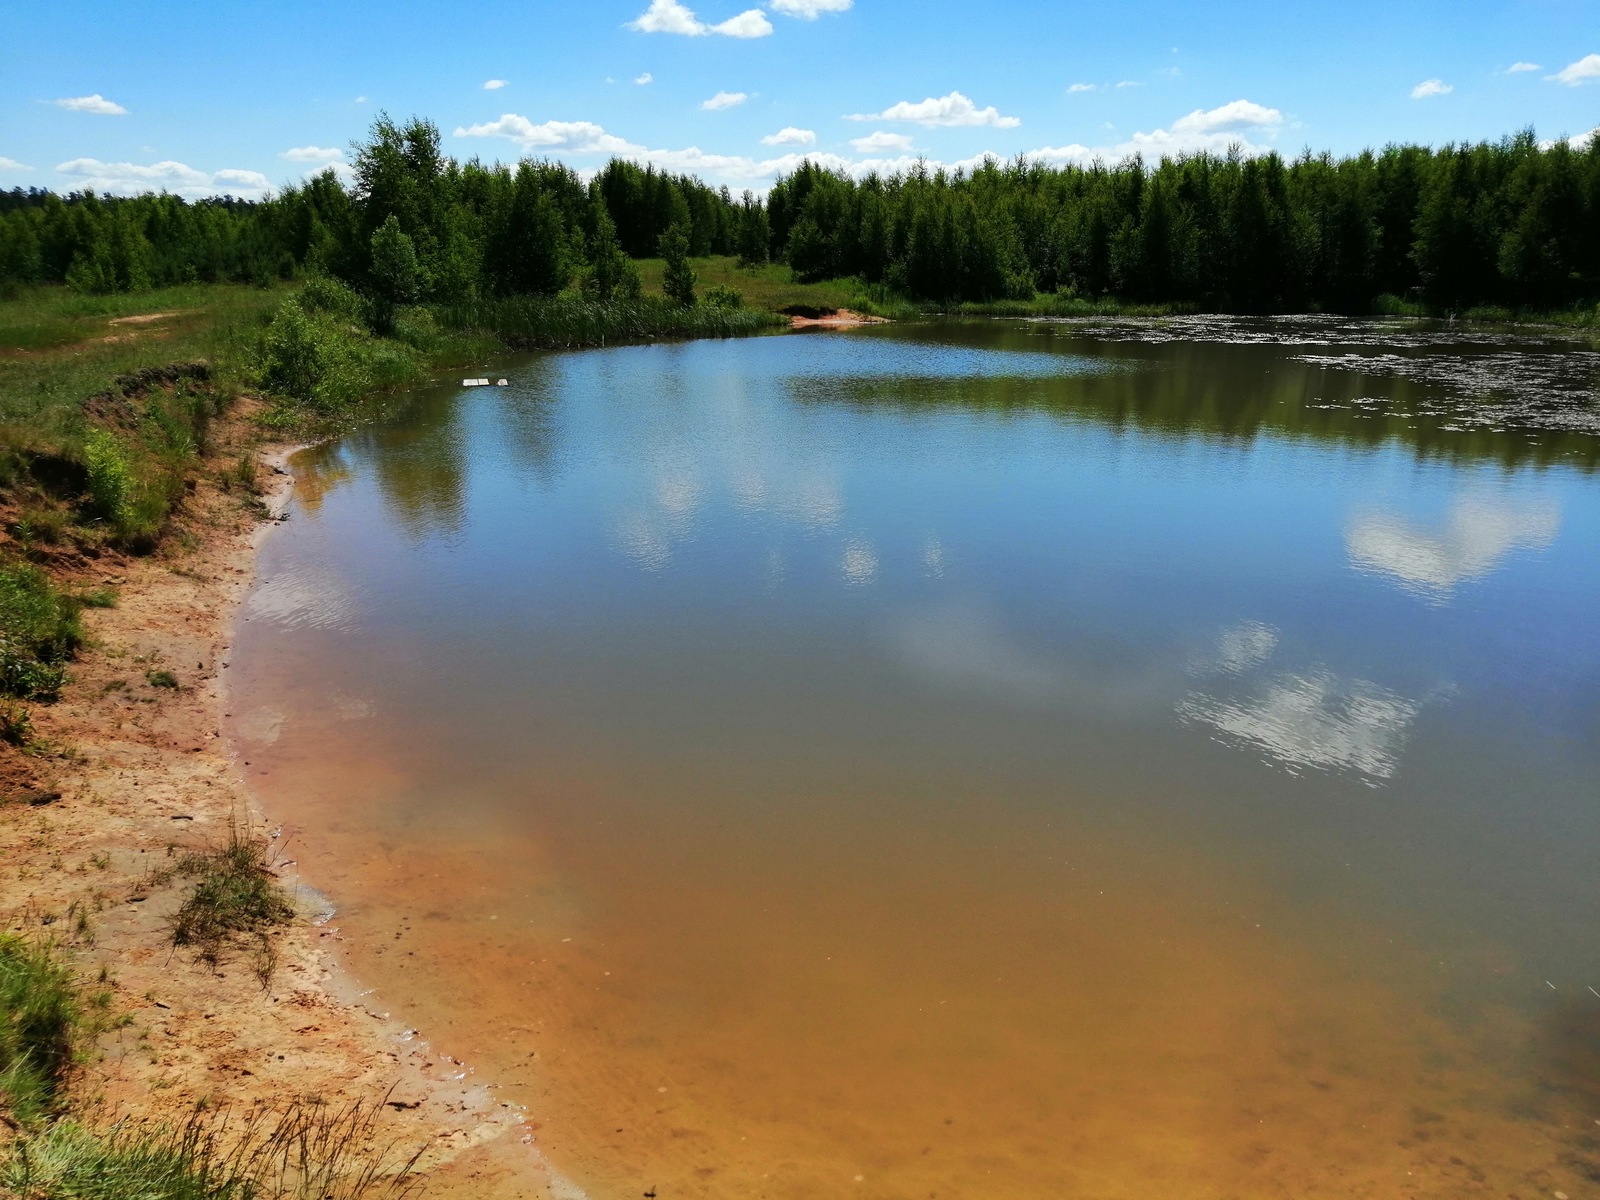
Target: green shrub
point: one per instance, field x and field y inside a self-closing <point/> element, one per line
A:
<point x="110" y="480"/>
<point x="39" y="631"/>
<point x="38" y="1013"/>
<point x="325" y="294"/>
<point x="721" y="296"/>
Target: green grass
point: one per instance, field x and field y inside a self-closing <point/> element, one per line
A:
<point x="39" y="632"/>
<point x="770" y="286"/>
<point x="235" y="897"/>
<point x="58" y="347"/>
<point x="39" y="1014"/>
<point x="304" y="1151"/>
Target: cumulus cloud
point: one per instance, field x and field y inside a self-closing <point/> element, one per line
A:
<point x="494" y="85"/>
<point x="1517" y="68"/>
<point x="1127" y="83"/>
<point x="11" y="164"/>
<point x="641" y="80"/>
<point x="1082" y="87"/>
<point x="724" y="100"/>
<point x="952" y="110"/>
<point x="1215" y="130"/>
<point x="1585" y="70"/>
<point x="790" y="136"/>
<point x="809" y="10"/>
<point x="574" y="137"/>
<point x="1231" y="117"/>
<point x="1431" y="87"/>
<point x="312" y="154"/>
<point x="127" y="179"/>
<point x="875" y="143"/>
<point x="670" y="16"/>
<point x="93" y="104"/>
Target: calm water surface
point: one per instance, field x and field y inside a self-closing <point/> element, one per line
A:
<point x="984" y="760"/>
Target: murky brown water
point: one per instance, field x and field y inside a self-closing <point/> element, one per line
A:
<point x="973" y="761"/>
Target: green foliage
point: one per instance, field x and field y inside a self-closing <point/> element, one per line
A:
<point x="161" y="679"/>
<point x="110" y="480"/>
<point x="39" y="1012"/>
<point x="325" y="294"/>
<point x="562" y="322"/>
<point x="677" y="279"/>
<point x="1508" y="224"/>
<point x="611" y="274"/>
<point x="721" y="296"/>
<point x="39" y="632"/>
<point x="397" y="276"/>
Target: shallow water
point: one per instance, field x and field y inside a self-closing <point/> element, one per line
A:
<point x="981" y="760"/>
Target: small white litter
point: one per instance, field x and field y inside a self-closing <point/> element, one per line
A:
<point x="502" y="383"/>
<point x="474" y="383"/>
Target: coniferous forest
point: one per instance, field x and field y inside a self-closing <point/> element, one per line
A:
<point x="1511" y="224"/>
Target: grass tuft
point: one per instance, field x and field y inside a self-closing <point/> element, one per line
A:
<point x="235" y="897"/>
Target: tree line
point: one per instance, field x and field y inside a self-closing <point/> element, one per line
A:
<point x="1511" y="223"/>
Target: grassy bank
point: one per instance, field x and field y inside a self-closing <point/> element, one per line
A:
<point x="566" y="322"/>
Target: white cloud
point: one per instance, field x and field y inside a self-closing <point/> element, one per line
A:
<point x="790" y="136"/>
<point x="494" y="85"/>
<point x="575" y="137"/>
<point x="954" y="109"/>
<point x="1235" y="115"/>
<point x="1431" y="87"/>
<point x="11" y="164"/>
<point x="1585" y="70"/>
<point x="1578" y="141"/>
<point x="641" y="80"/>
<point x="1128" y="83"/>
<point x="359" y="100"/>
<point x="670" y="16"/>
<point x="1517" y="68"/>
<point x="312" y="154"/>
<point x="1083" y="87"/>
<point x="127" y="179"/>
<point x="880" y="141"/>
<point x="91" y="104"/>
<point x="809" y="10"/>
<point x="1215" y="131"/>
<point x="724" y="100"/>
<point x="751" y="24"/>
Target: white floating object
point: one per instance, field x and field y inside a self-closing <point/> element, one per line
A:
<point x="503" y="383"/>
<point x="474" y="383"/>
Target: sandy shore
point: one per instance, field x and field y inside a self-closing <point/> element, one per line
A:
<point x="137" y="773"/>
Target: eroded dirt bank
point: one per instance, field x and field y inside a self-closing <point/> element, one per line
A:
<point x="127" y="774"/>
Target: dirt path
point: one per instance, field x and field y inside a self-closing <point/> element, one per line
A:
<point x="140" y="772"/>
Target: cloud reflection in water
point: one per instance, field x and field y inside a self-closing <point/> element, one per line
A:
<point x="1308" y="719"/>
<point x="1473" y="538"/>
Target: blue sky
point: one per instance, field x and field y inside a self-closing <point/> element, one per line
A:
<point x="224" y="96"/>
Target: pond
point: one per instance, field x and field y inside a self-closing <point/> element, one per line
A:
<point x="979" y="759"/>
